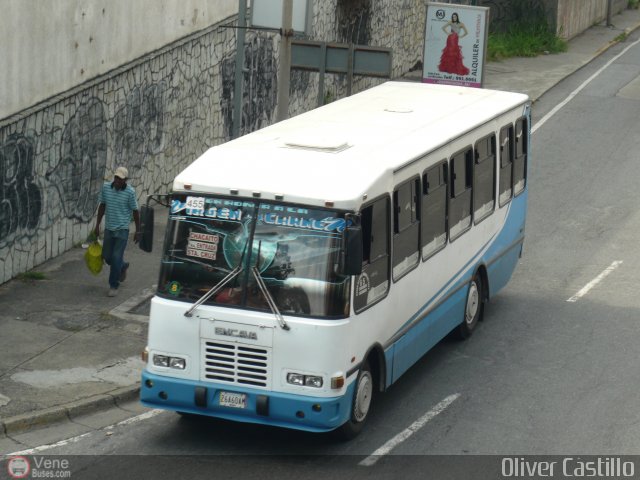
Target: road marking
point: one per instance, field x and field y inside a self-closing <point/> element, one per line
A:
<point x="558" y="107"/>
<point x="136" y="419"/>
<point x="584" y="290"/>
<point x="68" y="441"/>
<point x="42" y="448"/>
<point x="410" y="430"/>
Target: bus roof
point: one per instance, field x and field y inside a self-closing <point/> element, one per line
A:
<point x="345" y="150"/>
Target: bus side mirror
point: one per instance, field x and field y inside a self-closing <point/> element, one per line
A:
<point x="146" y="226"/>
<point x="353" y="250"/>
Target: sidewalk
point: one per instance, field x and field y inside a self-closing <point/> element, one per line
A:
<point x="66" y="349"/>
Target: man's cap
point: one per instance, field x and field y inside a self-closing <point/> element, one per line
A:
<point x="121" y="172"/>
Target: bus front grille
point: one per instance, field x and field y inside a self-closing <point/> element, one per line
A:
<point x="236" y="363"/>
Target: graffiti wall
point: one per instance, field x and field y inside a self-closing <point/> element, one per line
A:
<point x="153" y="117"/>
<point x="158" y="114"/>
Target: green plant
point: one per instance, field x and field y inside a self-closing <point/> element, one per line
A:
<point x="524" y="40"/>
<point x="633" y="4"/>
<point x="31" y="276"/>
<point x="328" y="97"/>
<point x="621" y="37"/>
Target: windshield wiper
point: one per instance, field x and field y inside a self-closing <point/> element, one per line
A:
<point x="216" y="288"/>
<point x="265" y="292"/>
<point x="269" y="298"/>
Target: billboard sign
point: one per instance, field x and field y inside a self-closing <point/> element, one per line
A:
<point x="455" y="44"/>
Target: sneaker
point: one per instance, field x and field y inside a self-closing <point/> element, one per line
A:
<point x="123" y="272"/>
<point x="112" y="292"/>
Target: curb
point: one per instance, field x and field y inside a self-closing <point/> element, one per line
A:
<point x="123" y="310"/>
<point x="42" y="418"/>
<point x="627" y="31"/>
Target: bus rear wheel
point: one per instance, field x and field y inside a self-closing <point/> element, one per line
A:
<point x="362" y="399"/>
<point x="473" y="309"/>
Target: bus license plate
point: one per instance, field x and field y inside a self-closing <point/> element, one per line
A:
<point x="233" y="400"/>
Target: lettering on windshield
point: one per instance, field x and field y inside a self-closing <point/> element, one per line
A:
<point x="328" y="224"/>
<point x="202" y="245"/>
<point x="201" y="207"/>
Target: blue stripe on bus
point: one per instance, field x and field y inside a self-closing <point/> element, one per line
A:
<point x="179" y="394"/>
<point x="445" y="310"/>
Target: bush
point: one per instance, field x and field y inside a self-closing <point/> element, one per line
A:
<point x="524" y="40"/>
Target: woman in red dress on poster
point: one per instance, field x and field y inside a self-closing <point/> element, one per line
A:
<point x="451" y="58"/>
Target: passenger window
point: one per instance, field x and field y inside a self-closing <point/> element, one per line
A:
<point x="460" y="195"/>
<point x="506" y="165"/>
<point x="520" y="161"/>
<point x="372" y="284"/>
<point x="484" y="198"/>
<point x="434" y="209"/>
<point x="406" y="228"/>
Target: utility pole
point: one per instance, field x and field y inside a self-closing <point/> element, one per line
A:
<point x="284" y="68"/>
<point x="239" y="73"/>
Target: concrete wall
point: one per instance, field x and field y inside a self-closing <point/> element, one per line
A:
<point x="154" y="114"/>
<point x="50" y="46"/>
<point x="567" y="17"/>
<point x="575" y="16"/>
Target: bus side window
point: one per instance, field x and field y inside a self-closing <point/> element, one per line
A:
<point x="506" y="165"/>
<point x="406" y="228"/>
<point x="460" y="195"/>
<point x="520" y="162"/>
<point x="484" y="173"/>
<point x="434" y="209"/>
<point x="372" y="284"/>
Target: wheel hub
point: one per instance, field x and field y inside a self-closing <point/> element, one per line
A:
<point x="363" y="397"/>
<point x="473" y="302"/>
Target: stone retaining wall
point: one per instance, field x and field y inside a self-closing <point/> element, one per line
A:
<point x="157" y="114"/>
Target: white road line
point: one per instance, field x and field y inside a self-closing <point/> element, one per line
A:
<point x="42" y="448"/>
<point x="136" y="419"/>
<point x="68" y="441"/>
<point x="557" y="108"/>
<point x="410" y="430"/>
<point x="584" y="290"/>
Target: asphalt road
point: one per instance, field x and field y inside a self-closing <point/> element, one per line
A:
<point x="553" y="369"/>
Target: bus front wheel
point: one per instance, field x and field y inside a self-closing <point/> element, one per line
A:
<point x="361" y="404"/>
<point x="473" y="308"/>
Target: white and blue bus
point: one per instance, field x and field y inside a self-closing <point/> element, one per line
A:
<point x="309" y="264"/>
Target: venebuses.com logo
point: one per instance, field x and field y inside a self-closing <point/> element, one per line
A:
<point x="38" y="467"/>
<point x="18" y="467"/>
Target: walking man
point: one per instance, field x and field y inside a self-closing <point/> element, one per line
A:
<point x="117" y="204"/>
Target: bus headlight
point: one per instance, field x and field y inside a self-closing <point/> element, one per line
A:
<point x="161" y="361"/>
<point x="313" y="381"/>
<point x="299" y="379"/>
<point x="178" y="363"/>
<point x="169" y="362"/>
<point x="295" y="379"/>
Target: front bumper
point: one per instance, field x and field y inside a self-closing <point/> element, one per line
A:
<point x="301" y="412"/>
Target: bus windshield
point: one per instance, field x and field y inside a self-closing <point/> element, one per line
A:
<point x="295" y="250"/>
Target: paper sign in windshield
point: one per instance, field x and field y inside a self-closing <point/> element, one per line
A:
<point x="202" y="245"/>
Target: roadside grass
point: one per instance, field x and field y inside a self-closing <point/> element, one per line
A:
<point x="31" y="276"/>
<point x="526" y="40"/>
<point x="621" y="38"/>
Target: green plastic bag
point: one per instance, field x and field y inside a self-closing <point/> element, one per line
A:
<point x="93" y="257"/>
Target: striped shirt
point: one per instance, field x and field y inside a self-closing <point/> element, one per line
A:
<point x="118" y="206"/>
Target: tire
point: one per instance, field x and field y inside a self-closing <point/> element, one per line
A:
<point x="361" y="405"/>
<point x="473" y="308"/>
